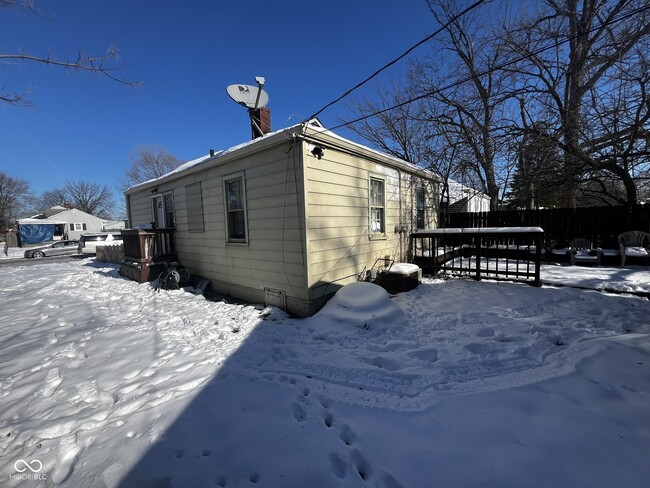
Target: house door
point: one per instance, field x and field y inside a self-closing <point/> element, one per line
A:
<point x="158" y="212"/>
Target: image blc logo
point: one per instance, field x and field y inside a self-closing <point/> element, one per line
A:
<point x="21" y="465"/>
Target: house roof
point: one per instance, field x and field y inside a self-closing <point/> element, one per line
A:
<point x="28" y="221"/>
<point x="311" y="129"/>
<point x="56" y="215"/>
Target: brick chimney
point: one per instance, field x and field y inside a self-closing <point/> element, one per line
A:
<point x="67" y="205"/>
<point x="261" y="117"/>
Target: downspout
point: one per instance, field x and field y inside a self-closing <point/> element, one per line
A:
<point x="127" y="199"/>
<point x="400" y="227"/>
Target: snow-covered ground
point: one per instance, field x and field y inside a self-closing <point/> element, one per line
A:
<point x="104" y="382"/>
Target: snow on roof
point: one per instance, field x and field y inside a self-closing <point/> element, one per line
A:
<point x="313" y="124"/>
<point x="28" y="221"/>
<point x="203" y="159"/>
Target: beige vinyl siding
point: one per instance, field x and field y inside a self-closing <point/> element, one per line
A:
<point x="140" y="206"/>
<point x="273" y="256"/>
<point x="339" y="242"/>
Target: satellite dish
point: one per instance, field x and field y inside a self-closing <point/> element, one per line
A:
<point x="249" y="96"/>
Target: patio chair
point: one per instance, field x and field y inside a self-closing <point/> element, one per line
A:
<point x="634" y="244"/>
<point x="581" y="251"/>
<point x="556" y="251"/>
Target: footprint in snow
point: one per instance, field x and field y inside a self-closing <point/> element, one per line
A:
<point x="362" y="466"/>
<point x="328" y="419"/>
<point x="338" y="466"/>
<point x="347" y="435"/>
<point x="69" y="452"/>
<point x="52" y="382"/>
<point x="298" y="412"/>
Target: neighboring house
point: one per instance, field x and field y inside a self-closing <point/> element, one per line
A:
<point x="114" y="225"/>
<point x="288" y="218"/>
<point x="56" y="223"/>
<point x="465" y="199"/>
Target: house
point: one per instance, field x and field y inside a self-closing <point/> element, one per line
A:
<point x="56" y="223"/>
<point x="288" y="218"/>
<point x="465" y="199"/>
<point x="113" y="225"/>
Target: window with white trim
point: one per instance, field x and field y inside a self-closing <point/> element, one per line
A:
<point x="377" y="200"/>
<point x="235" y="204"/>
<point x="77" y="226"/>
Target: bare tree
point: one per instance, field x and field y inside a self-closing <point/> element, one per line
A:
<point x="573" y="54"/>
<point x="462" y="121"/>
<point x="14" y="193"/>
<point x="91" y="198"/>
<point x="101" y="64"/>
<point x="149" y="163"/>
<point x="397" y="131"/>
<point x="53" y="198"/>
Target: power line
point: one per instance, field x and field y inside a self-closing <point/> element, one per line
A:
<point x="403" y="55"/>
<point x="488" y="71"/>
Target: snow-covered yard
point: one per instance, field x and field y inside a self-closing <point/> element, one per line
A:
<point x="105" y="382"/>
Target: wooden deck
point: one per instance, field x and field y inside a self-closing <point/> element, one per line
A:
<point x="510" y="253"/>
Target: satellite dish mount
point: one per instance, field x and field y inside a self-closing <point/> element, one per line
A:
<point x="255" y="99"/>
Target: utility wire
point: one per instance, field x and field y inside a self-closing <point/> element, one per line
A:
<point x="406" y="53"/>
<point x="500" y="67"/>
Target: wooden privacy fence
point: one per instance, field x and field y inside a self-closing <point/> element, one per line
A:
<point x="110" y="254"/>
<point x="600" y="225"/>
<point x="512" y="253"/>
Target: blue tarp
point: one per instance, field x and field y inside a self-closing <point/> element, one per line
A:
<point x="35" y="233"/>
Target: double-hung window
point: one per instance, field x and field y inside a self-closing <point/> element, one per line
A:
<point x="377" y="198"/>
<point x="235" y="203"/>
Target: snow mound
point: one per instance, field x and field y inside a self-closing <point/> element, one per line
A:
<point x="365" y="306"/>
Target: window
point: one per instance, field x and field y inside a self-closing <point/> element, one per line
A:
<point x="78" y="226"/>
<point x="377" y="199"/>
<point x="235" y="195"/>
<point x="419" y="206"/>
<point x="194" y="203"/>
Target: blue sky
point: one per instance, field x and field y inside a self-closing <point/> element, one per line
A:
<point x="85" y="127"/>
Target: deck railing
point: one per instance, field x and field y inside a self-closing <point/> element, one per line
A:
<point x="511" y="253"/>
<point x="150" y="245"/>
<point x="146" y="251"/>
